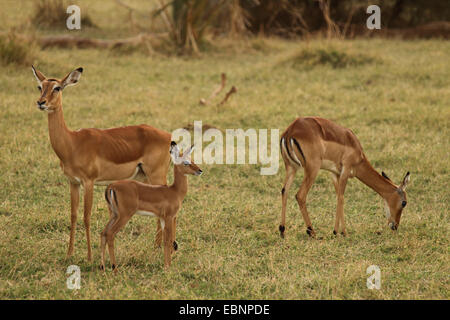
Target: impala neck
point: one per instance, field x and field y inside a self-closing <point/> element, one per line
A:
<point x="60" y="135"/>
<point x="180" y="181"/>
<point x="370" y="177"/>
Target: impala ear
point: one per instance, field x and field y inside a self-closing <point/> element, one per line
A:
<point x="385" y="175"/>
<point x="405" y="182"/>
<point x="174" y="152"/>
<point x="72" y="78"/>
<point x="174" y="148"/>
<point x="38" y="75"/>
<point x="188" y="152"/>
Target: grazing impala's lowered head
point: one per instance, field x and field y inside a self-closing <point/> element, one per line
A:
<point x="183" y="161"/>
<point x="51" y="89"/>
<point x="394" y="204"/>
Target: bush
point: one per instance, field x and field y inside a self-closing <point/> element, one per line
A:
<point x="15" y="51"/>
<point x="52" y="13"/>
<point x="330" y="56"/>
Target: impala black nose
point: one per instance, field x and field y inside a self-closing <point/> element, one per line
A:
<point x="393" y="226"/>
<point x="41" y="104"/>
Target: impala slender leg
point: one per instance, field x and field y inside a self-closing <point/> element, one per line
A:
<point x="158" y="234"/>
<point x="290" y="174"/>
<point x="88" y="197"/>
<point x="111" y="234"/>
<point x="174" y="230"/>
<point x="102" y="250"/>
<point x="340" y="202"/>
<point x="74" y="203"/>
<point x="168" y="244"/>
<point x="335" y="179"/>
<point x="108" y="226"/>
<point x="157" y="178"/>
<point x="308" y="180"/>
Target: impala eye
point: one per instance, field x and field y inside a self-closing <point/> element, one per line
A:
<point x="57" y="89"/>
<point x="403" y="204"/>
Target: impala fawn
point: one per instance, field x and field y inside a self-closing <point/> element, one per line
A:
<point x="128" y="197"/>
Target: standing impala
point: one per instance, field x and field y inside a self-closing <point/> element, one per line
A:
<point x="94" y="156"/>
<point x="315" y="143"/>
<point x="126" y="198"/>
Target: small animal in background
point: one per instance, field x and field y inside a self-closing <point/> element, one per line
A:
<point x="313" y="143"/>
<point x="127" y="198"/>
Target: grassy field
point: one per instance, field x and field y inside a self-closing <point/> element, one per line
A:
<point x="394" y="95"/>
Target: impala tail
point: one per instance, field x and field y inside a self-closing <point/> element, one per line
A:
<point x="111" y="199"/>
<point x="291" y="150"/>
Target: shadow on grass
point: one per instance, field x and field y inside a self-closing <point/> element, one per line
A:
<point x="5" y="213"/>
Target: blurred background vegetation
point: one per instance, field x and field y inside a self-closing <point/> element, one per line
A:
<point x="151" y="61"/>
<point x="196" y="26"/>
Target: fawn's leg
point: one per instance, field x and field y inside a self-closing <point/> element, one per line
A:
<point x="174" y="230"/>
<point x="168" y="242"/>
<point x="119" y="223"/>
<point x="112" y="219"/>
<point x="156" y="177"/>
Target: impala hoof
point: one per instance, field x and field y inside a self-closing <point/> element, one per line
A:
<point x="281" y="228"/>
<point x="310" y="232"/>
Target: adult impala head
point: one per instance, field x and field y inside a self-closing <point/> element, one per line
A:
<point x="394" y="204"/>
<point x="183" y="162"/>
<point x="51" y="89"/>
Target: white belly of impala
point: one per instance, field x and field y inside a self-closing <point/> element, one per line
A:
<point x="105" y="183"/>
<point x="330" y="166"/>
<point x="145" y="213"/>
<point x="151" y="214"/>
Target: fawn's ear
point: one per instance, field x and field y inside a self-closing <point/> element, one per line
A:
<point x="188" y="152"/>
<point x="72" y="78"/>
<point x="405" y="182"/>
<point x="174" y="152"/>
<point x="38" y="75"/>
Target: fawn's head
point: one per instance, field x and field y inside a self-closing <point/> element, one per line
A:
<point x="394" y="204"/>
<point x="51" y="89"/>
<point x="183" y="161"/>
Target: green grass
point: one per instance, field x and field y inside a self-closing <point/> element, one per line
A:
<point x="229" y="246"/>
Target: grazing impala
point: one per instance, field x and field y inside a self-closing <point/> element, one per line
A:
<point x="315" y="143"/>
<point x="126" y="198"/>
<point x="91" y="157"/>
